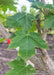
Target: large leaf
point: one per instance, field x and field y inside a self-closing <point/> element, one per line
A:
<point x="19" y="68"/>
<point x="4" y="4"/>
<point x="49" y="23"/>
<point x="20" y="20"/>
<point x="27" y="43"/>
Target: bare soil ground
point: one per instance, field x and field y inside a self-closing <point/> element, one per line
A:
<point x="8" y="55"/>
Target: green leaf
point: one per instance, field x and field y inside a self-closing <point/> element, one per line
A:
<point x="49" y="22"/>
<point x="2" y="39"/>
<point x="20" y="20"/>
<point x="2" y="17"/>
<point x="33" y="28"/>
<point x="49" y="6"/>
<point x="18" y="33"/>
<point x="4" y="4"/>
<point x="38" y="41"/>
<point x="37" y="5"/>
<point x="19" y="67"/>
<point x="12" y="35"/>
<point x="27" y="43"/>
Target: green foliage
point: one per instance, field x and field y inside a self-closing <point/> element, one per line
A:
<point x="24" y="37"/>
<point x="27" y="43"/>
<point x="37" y="5"/>
<point x="47" y="10"/>
<point x="33" y="11"/>
<point x="4" y="4"/>
<point x="12" y="35"/>
<point x="22" y="20"/>
<point x="19" y="67"/>
<point x="43" y="6"/>
<point x="1" y="39"/>
<point x="2" y="17"/>
<point x="23" y="8"/>
<point x="33" y="28"/>
<point x="49" y="22"/>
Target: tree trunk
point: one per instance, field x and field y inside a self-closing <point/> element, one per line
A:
<point x="3" y="32"/>
<point x="43" y="62"/>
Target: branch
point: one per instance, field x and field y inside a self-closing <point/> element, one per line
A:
<point x="38" y="23"/>
<point x="43" y="1"/>
<point x="38" y="62"/>
<point x="43" y="62"/>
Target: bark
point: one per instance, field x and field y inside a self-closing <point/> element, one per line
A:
<point x="37" y="61"/>
<point x="43" y="62"/>
<point x="43" y="1"/>
<point x="3" y="32"/>
<point x="38" y="23"/>
<point x="49" y="63"/>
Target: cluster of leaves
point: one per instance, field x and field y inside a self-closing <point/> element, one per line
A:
<point x="48" y="11"/>
<point x="4" y="4"/>
<point x="49" y="16"/>
<point x="26" y="38"/>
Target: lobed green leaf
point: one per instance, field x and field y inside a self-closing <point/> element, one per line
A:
<point x="20" y="20"/>
<point x="19" y="67"/>
<point x="27" y="43"/>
